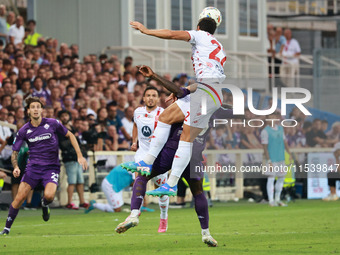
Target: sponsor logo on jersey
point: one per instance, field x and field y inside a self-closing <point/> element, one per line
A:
<point x="40" y="138"/>
<point x="146" y="131"/>
<point x="46" y="126"/>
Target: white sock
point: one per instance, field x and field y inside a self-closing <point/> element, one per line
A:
<point x="103" y="207"/>
<point x="173" y="180"/>
<point x="270" y="188"/>
<point x="181" y="160"/>
<point x="278" y="188"/>
<point x="205" y="231"/>
<point x="160" y="136"/>
<point x="134" y="213"/>
<point x="163" y="206"/>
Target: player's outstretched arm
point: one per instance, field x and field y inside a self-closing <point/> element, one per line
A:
<point x="161" y="33"/>
<point x="148" y="72"/>
<point x="81" y="160"/>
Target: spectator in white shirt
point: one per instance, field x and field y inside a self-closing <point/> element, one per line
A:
<point x="3" y="24"/>
<point x="290" y="59"/>
<point x="5" y="132"/>
<point x="127" y="120"/>
<point x="16" y="32"/>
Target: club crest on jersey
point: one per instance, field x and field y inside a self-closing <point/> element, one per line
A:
<point x="146" y="131"/>
<point x="46" y="126"/>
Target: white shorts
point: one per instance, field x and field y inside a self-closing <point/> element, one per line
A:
<point x="115" y="199"/>
<point x="278" y="169"/>
<point x="202" y="100"/>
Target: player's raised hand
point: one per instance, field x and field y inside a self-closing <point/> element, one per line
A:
<point x="16" y="172"/>
<point x="82" y="161"/>
<point x="138" y="26"/>
<point x="145" y="70"/>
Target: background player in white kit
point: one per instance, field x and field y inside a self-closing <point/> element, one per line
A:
<point x="208" y="58"/>
<point x="145" y="121"/>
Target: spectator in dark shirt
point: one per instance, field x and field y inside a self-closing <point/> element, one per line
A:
<point x="74" y="171"/>
<point x="316" y="136"/>
<point x="113" y="119"/>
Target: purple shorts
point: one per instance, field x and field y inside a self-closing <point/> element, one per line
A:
<point x="43" y="176"/>
<point x="164" y="160"/>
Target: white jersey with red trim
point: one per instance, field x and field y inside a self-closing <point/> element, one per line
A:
<point x="208" y="56"/>
<point x="146" y="123"/>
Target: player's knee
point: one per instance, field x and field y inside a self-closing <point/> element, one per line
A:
<point x="197" y="192"/>
<point x="49" y="197"/>
<point x="118" y="209"/>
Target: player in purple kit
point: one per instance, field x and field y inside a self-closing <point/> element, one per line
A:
<point x="43" y="164"/>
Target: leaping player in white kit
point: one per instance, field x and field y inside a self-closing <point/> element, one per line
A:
<point x="145" y="121"/>
<point x="208" y="58"/>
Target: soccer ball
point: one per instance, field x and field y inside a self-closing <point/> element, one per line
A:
<point x="211" y="12"/>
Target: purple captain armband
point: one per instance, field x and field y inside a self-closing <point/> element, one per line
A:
<point x="185" y="92"/>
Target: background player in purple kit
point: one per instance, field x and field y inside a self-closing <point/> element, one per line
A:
<point x="43" y="164"/>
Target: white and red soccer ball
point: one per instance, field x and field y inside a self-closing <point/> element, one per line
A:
<point x="211" y="12"/>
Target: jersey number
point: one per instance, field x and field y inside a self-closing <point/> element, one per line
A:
<point x="213" y="54"/>
<point x="186" y="117"/>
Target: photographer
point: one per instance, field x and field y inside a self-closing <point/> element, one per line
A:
<point x="93" y="134"/>
<point x="74" y="171"/>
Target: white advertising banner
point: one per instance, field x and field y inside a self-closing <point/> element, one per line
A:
<point x="318" y="165"/>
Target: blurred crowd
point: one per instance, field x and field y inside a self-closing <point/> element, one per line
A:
<point x="307" y="133"/>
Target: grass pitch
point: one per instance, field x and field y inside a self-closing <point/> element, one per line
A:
<point x="304" y="227"/>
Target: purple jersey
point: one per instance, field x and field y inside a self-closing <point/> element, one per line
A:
<point x="42" y="142"/>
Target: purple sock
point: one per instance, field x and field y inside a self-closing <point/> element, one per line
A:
<point x="12" y="214"/>
<point x="201" y="207"/>
<point x="138" y="192"/>
<point x="45" y="202"/>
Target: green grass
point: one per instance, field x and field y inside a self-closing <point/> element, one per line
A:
<point x="305" y="227"/>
